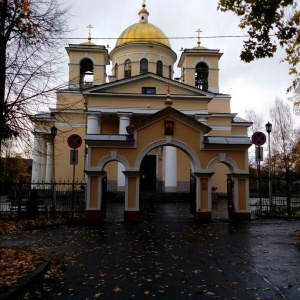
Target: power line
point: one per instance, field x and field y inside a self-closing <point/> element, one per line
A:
<point x="154" y="38"/>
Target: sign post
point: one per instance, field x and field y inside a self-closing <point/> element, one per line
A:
<point x="74" y="142"/>
<point x="259" y="138"/>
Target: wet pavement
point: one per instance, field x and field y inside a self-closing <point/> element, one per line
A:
<point x="170" y="256"/>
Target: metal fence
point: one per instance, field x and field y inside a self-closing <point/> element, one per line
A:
<point x="282" y="199"/>
<point x="53" y="200"/>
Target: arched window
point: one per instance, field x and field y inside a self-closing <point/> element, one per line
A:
<point x="127" y="68"/>
<point x="116" y="71"/>
<point x="159" y="68"/>
<point x="144" y="66"/>
<point x="170" y="72"/>
<point x="201" y="76"/>
<point x="86" y="73"/>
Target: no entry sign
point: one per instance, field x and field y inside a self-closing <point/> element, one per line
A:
<point x="74" y="141"/>
<point x="258" y="138"/>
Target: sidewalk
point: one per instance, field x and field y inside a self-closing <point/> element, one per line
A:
<point x="170" y="256"/>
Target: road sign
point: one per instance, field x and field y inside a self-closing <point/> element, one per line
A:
<point x="258" y="138"/>
<point x="259" y="153"/>
<point x="74" y="141"/>
<point x="73" y="157"/>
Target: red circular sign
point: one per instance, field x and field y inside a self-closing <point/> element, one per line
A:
<point x="74" y="141"/>
<point x="258" y="138"/>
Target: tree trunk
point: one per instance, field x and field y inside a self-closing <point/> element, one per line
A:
<point x="3" y="43"/>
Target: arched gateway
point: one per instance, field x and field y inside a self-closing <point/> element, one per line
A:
<point x="151" y="132"/>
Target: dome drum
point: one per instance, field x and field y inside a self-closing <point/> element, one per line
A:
<point x="142" y="51"/>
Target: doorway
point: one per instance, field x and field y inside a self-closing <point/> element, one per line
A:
<point x="148" y="173"/>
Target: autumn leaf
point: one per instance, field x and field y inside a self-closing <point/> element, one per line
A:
<point x="117" y="289"/>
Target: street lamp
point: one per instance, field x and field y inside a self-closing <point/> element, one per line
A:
<point x="269" y="130"/>
<point x="53" y="131"/>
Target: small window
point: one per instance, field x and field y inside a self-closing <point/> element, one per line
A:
<point x="159" y="68"/>
<point x="149" y="90"/>
<point x="116" y="71"/>
<point x="170" y="72"/>
<point x="144" y="66"/>
<point x="127" y="68"/>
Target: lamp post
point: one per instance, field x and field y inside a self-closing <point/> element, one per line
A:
<point x="269" y="130"/>
<point x="53" y="131"/>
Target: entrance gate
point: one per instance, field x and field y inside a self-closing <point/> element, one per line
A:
<point x="189" y="136"/>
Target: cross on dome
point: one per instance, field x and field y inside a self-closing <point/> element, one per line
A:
<point x="199" y="31"/>
<point x="90" y="28"/>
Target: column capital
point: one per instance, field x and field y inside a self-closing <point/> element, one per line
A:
<point x="132" y="173"/>
<point x="204" y="175"/>
<point x="239" y="175"/>
<point x="124" y="114"/>
<point x="93" y="113"/>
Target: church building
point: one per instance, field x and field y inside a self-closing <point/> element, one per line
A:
<point x="141" y="128"/>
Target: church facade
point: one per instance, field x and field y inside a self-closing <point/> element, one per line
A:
<point x="142" y="129"/>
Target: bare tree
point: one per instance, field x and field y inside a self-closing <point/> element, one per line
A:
<point x="284" y="135"/>
<point x="31" y="39"/>
<point x="256" y="119"/>
<point x="284" y="141"/>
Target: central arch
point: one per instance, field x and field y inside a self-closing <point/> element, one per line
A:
<point x="192" y="155"/>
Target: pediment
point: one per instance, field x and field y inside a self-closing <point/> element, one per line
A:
<point x="169" y="112"/>
<point x="133" y="85"/>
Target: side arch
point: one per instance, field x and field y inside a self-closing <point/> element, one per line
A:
<point x="113" y="157"/>
<point x="193" y="156"/>
<point x="231" y="164"/>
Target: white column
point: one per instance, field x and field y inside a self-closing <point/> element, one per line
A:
<point x="49" y="162"/>
<point x="93" y="124"/>
<point x="36" y="159"/>
<point x="124" y="121"/>
<point x="170" y="167"/>
<point x="43" y="158"/>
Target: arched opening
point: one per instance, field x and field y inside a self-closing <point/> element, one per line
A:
<point x="113" y="201"/>
<point x="165" y="183"/>
<point x="159" y="68"/>
<point x="127" y="68"/>
<point x="201" y="76"/>
<point x="219" y="191"/>
<point x="86" y="73"/>
<point x="143" y="66"/>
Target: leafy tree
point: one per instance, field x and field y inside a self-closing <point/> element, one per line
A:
<point x="31" y="38"/>
<point x="269" y="23"/>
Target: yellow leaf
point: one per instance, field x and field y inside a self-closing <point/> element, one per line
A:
<point x="117" y="290"/>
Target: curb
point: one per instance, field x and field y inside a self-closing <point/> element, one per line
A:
<point x="13" y="292"/>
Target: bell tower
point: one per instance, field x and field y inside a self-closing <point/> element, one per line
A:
<point x="200" y="67"/>
<point x="87" y="64"/>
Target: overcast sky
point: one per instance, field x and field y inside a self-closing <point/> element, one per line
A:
<point x="251" y="86"/>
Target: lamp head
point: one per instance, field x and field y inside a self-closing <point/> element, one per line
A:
<point x="53" y="131"/>
<point x="268" y="127"/>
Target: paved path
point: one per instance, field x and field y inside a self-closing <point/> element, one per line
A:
<point x="171" y="256"/>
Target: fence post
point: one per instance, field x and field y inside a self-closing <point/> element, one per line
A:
<point x="20" y="196"/>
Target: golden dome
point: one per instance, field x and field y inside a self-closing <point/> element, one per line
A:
<point x="143" y="32"/>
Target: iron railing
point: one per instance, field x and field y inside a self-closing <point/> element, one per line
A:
<point x="54" y="199"/>
<point x="282" y="200"/>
